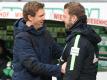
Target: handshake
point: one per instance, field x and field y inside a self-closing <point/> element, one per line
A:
<point x="63" y="67"/>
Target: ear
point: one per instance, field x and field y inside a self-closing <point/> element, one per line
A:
<point x="30" y="17"/>
<point x="74" y="18"/>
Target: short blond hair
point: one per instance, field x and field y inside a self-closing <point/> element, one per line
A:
<point x="30" y="8"/>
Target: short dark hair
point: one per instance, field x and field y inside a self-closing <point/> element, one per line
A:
<point x="75" y="8"/>
<point x="30" y="8"/>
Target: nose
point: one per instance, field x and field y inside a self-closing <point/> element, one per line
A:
<point x="43" y="16"/>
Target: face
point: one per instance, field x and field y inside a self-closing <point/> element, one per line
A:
<point x="68" y="19"/>
<point x="38" y="19"/>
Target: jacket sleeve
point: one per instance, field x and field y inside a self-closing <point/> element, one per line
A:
<point x="29" y="60"/>
<point x="79" y="61"/>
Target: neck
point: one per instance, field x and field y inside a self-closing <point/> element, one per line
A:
<point x="36" y="27"/>
<point x="28" y="23"/>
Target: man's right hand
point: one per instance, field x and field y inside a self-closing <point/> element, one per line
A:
<point x="63" y="67"/>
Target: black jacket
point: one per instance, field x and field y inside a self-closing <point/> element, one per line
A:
<point x="33" y="55"/>
<point x="84" y="67"/>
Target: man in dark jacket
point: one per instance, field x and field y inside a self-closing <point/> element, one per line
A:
<point x="34" y="49"/>
<point x="81" y="44"/>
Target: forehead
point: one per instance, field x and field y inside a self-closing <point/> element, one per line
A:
<point x="40" y="11"/>
<point x="66" y="11"/>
